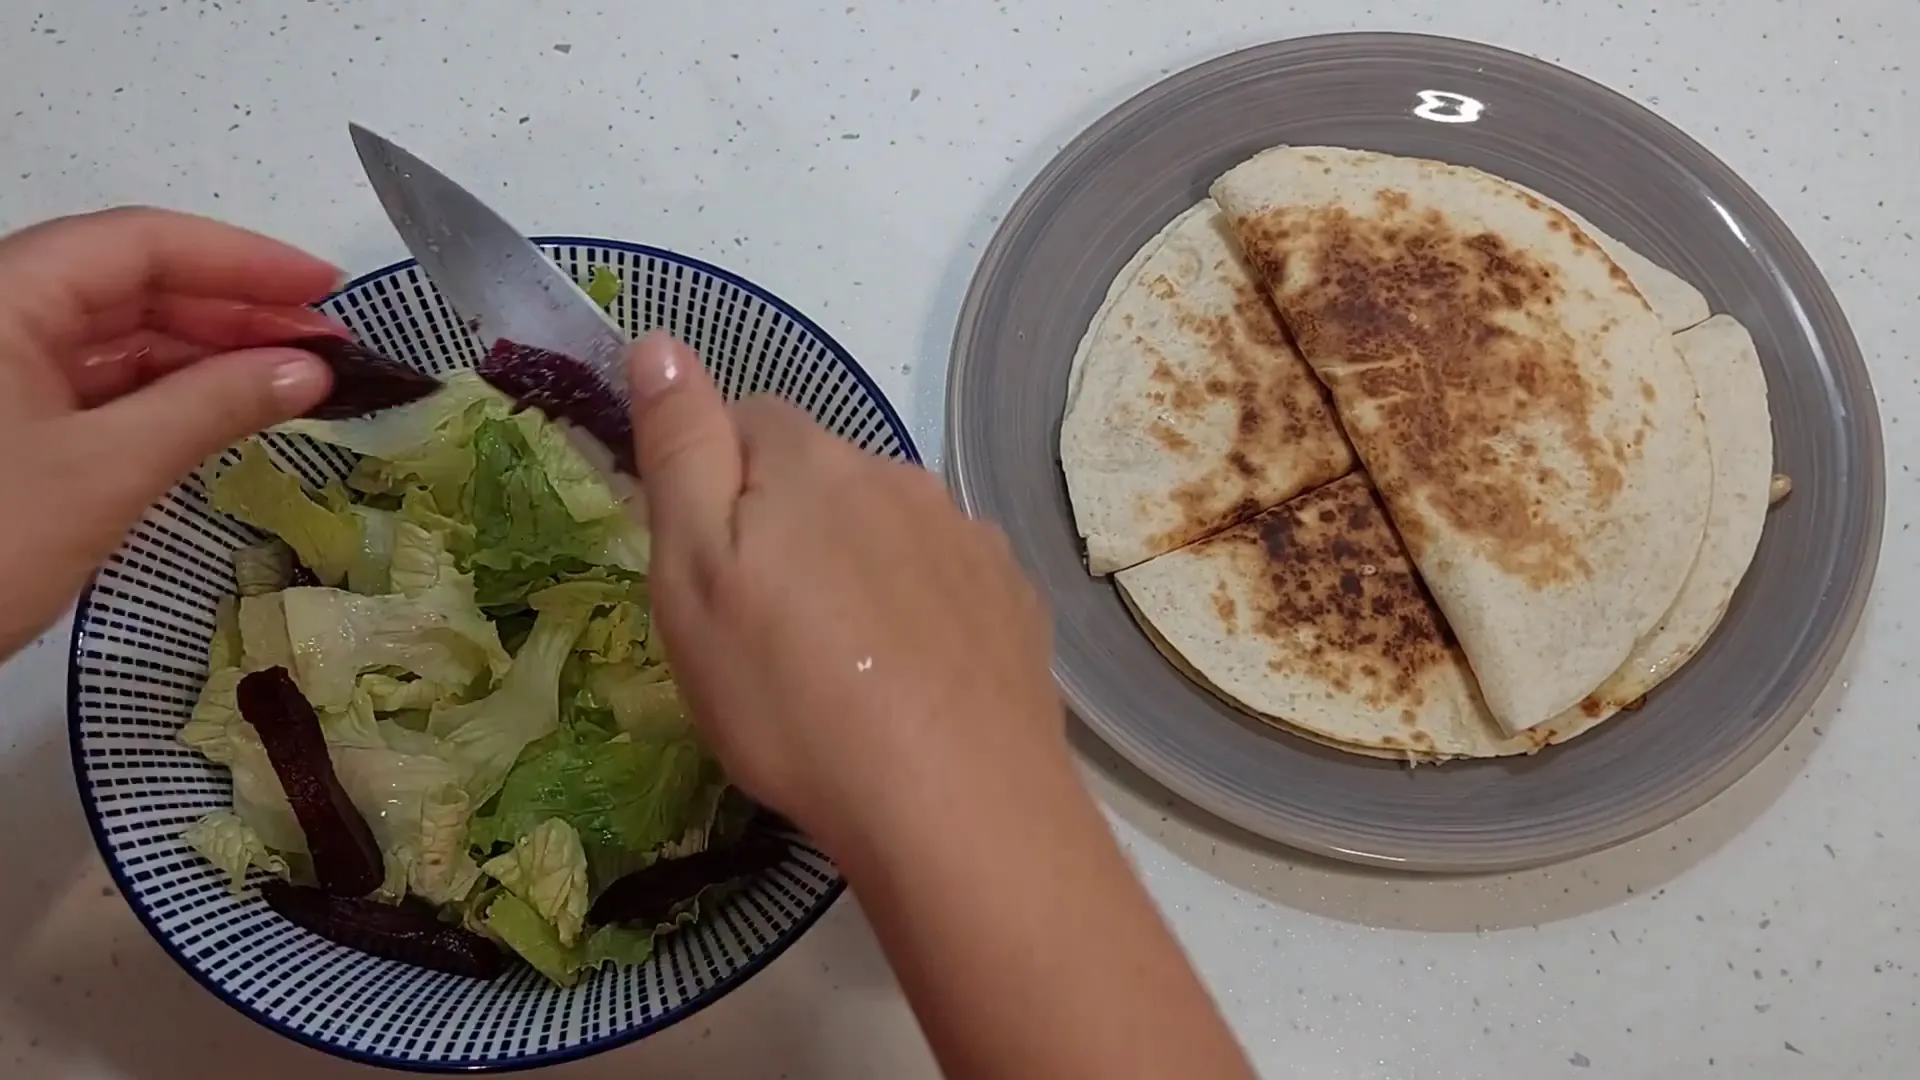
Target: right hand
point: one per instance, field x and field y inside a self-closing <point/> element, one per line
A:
<point x="849" y="641"/>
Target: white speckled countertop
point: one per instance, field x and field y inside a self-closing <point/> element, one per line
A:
<point x="854" y="156"/>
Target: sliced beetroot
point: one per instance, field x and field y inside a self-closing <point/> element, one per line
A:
<point x="409" y="933"/>
<point x="363" y="380"/>
<point x="565" y="389"/>
<point x="345" y="857"/>
<point x="648" y="896"/>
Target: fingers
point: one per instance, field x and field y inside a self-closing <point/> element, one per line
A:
<point x="213" y="321"/>
<point x="104" y="372"/>
<point x="148" y="341"/>
<point x="779" y="440"/>
<point x="685" y="445"/>
<point x="144" y="442"/>
<point x="59" y="274"/>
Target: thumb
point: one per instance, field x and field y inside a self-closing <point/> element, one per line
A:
<point x="148" y="439"/>
<point x="685" y="445"/>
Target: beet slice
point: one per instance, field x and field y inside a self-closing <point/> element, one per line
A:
<point x="648" y="896"/>
<point x="345" y="857"/>
<point x="363" y="380"/>
<point x="409" y="933"/>
<point x="565" y="389"/>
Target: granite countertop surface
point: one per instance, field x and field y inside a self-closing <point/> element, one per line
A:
<point x="855" y="157"/>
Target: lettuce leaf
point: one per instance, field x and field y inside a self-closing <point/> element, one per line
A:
<point x="515" y="922"/>
<point x="439" y="867"/>
<point x="262" y="624"/>
<point x="218" y="708"/>
<point x="619" y="795"/>
<point x="374" y="561"/>
<point x="262" y="568"/>
<point x="575" y="481"/>
<point x="228" y="843"/>
<point x="390" y="694"/>
<point x="516" y="506"/>
<point x="409" y="790"/>
<point x="225" y="649"/>
<point x="603" y="286"/>
<point x="431" y="627"/>
<point x="487" y="736"/>
<point x="547" y="868"/>
<point x="255" y="491"/>
<point x="425" y="444"/>
<point x="645" y="703"/>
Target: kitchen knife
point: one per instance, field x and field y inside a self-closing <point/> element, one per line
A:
<point x="549" y="346"/>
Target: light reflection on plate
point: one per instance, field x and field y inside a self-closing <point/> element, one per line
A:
<point x="1447" y="107"/>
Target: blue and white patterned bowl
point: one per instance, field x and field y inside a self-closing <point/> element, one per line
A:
<point x="140" y="643"/>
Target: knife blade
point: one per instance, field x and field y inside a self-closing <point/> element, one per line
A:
<point x="548" y="344"/>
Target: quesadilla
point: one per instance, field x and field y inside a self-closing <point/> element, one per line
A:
<point x="1528" y="423"/>
<point x="1677" y="304"/>
<point x="1310" y="616"/>
<point x="1188" y="409"/>
<point x="1733" y="399"/>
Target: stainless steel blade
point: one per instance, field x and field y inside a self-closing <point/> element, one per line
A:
<point x="488" y="270"/>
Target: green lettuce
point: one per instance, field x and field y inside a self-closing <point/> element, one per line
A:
<point x="602" y="285"/>
<point x="262" y="568"/>
<point x="388" y="693"/>
<point x="515" y="922"/>
<point x="218" y="708"/>
<point x="440" y="868"/>
<point x="257" y="492"/>
<point x="432" y="627"/>
<point x="262" y="625"/>
<point x="374" y="561"/>
<point x="226" y="648"/>
<point x="644" y="702"/>
<point x="487" y="736"/>
<point x="547" y="868"/>
<point x="228" y="843"/>
<point x="427" y="444"/>
<point x="618" y="794"/>
<point x="516" y="505"/>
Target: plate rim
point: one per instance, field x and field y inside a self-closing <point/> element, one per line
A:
<point x="77" y="646"/>
<point x="1846" y="361"/>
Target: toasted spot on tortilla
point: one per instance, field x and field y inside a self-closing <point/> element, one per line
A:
<point x="1445" y="335"/>
<point x="1275" y="411"/>
<point x="1335" y="587"/>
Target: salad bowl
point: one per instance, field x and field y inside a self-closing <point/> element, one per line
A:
<point x="142" y="638"/>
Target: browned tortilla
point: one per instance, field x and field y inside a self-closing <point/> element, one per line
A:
<point x="1525" y="417"/>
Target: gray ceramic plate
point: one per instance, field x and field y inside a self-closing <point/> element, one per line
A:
<point x="1636" y="177"/>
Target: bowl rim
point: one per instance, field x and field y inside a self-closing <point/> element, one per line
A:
<point x="77" y="644"/>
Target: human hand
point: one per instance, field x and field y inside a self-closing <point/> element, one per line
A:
<point x="126" y="360"/>
<point x="848" y="640"/>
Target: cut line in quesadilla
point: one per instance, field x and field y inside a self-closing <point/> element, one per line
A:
<point x="1188" y="408"/>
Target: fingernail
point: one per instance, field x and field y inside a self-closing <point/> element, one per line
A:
<point x="656" y="364"/>
<point x="283" y="324"/>
<point x="300" y="381"/>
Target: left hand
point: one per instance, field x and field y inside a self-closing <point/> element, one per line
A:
<point x="129" y="354"/>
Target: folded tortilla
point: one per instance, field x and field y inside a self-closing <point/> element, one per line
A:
<point x="1310" y="616"/>
<point x="1677" y="304"/>
<point x="1188" y="408"/>
<point x="1526" y="419"/>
